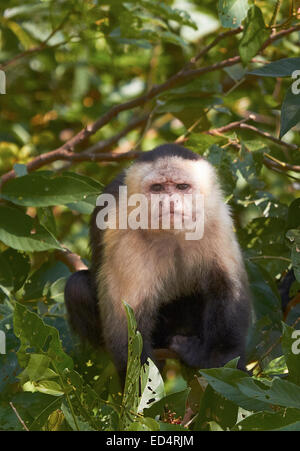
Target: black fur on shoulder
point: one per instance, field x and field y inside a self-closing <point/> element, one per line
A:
<point x="82" y="307"/>
<point x="167" y="150"/>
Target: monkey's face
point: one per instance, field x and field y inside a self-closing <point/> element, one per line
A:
<point x="174" y="188"/>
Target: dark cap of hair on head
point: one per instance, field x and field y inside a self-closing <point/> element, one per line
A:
<point x="167" y="150"/>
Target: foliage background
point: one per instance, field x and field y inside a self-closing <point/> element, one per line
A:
<point x="69" y="64"/>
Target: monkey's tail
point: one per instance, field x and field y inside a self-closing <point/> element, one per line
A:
<point x="82" y="307"/>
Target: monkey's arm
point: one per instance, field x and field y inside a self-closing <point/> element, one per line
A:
<point x="223" y="326"/>
<point x="82" y="307"/>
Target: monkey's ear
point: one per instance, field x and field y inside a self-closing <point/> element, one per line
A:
<point x="82" y="307"/>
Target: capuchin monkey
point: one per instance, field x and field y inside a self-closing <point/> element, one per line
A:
<point x="188" y="295"/>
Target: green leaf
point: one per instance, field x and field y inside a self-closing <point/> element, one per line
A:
<point x="280" y="392"/>
<point x="266" y="300"/>
<point x="160" y="9"/>
<point x="198" y="387"/>
<point x="255" y="33"/>
<point x="85" y="207"/>
<point x="144" y="424"/>
<point x="293" y="220"/>
<point x="40" y="190"/>
<point x="287" y="420"/>
<point x="20" y="266"/>
<point x="37" y="336"/>
<point x="200" y="143"/>
<point x="280" y="68"/>
<point x="236" y="72"/>
<point x="46" y="219"/>
<point x="251" y="394"/>
<point x="6" y="275"/>
<point x="33" y="408"/>
<point x="85" y="400"/>
<point x="56" y="292"/>
<point x="131" y="398"/>
<point x="168" y="36"/>
<point x="215" y="408"/>
<point x="42" y="418"/>
<point x="227" y="382"/>
<point x="221" y="160"/>
<point x="232" y="12"/>
<point x="276" y="367"/>
<point x="24" y="10"/>
<point x="40" y="282"/>
<point x="37" y="366"/>
<point x="79" y="425"/>
<point x="249" y="164"/>
<point x="196" y="88"/>
<point x="290" y="112"/>
<point x="48" y="387"/>
<point x="24" y="37"/>
<point x="19" y="231"/>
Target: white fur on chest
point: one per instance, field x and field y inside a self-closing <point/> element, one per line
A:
<point x="136" y="260"/>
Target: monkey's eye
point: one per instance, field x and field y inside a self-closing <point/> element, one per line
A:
<point x="182" y="186"/>
<point x="157" y="187"/>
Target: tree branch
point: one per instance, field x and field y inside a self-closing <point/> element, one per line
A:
<point x="107" y="144"/>
<point x="64" y="155"/>
<point x="242" y="125"/>
<point x="70" y="259"/>
<point x="104" y="146"/>
<point x="65" y="152"/>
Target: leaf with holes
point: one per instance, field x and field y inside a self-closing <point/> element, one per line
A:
<point x="232" y="12"/>
<point x="37" y="337"/>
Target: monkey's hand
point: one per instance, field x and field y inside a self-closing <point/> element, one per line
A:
<point x="189" y="349"/>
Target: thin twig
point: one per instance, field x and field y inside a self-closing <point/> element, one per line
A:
<point x="38" y="48"/>
<point x="282" y="164"/>
<point x="242" y="125"/>
<point x="207" y="48"/>
<point x="273" y="257"/>
<point x="275" y="13"/>
<point x="269" y="136"/>
<point x="18" y="416"/>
